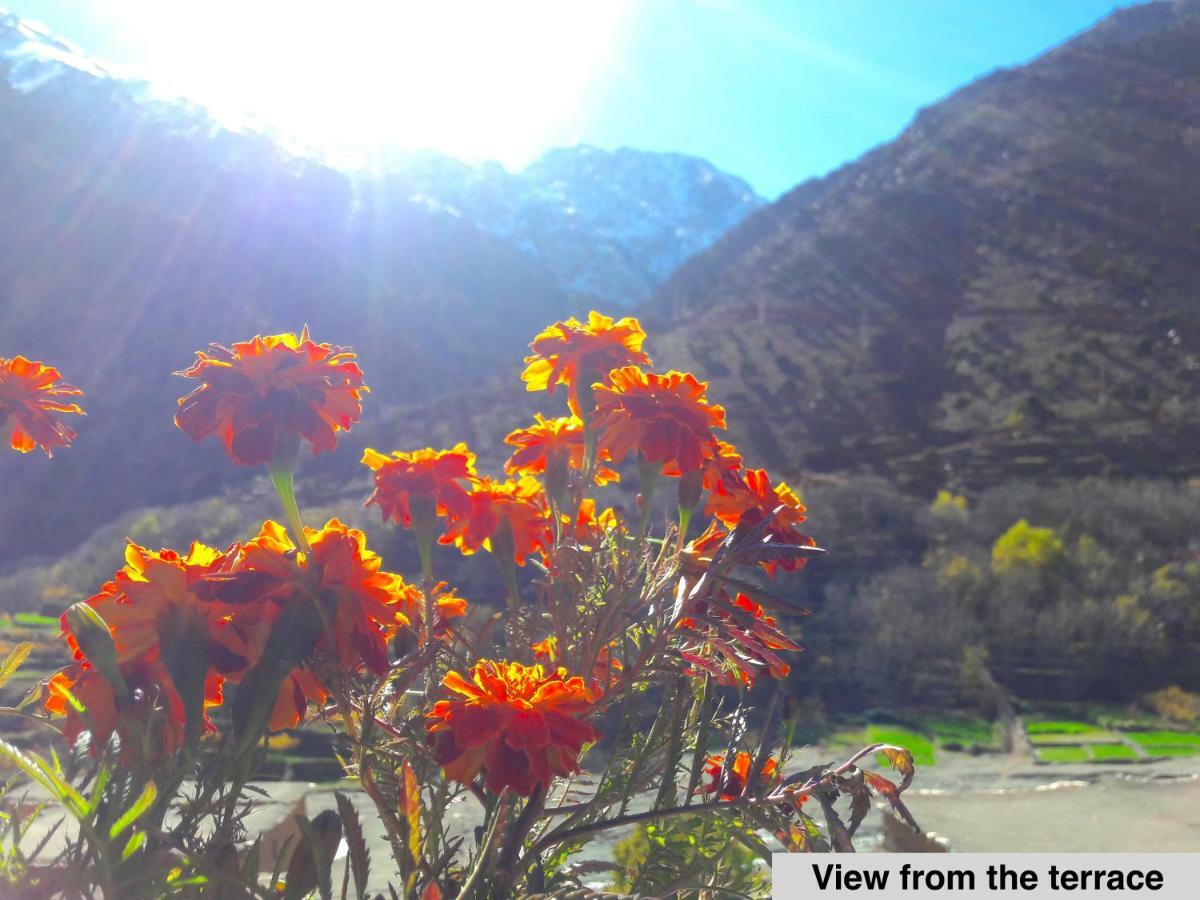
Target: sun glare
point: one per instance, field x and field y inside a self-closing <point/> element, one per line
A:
<point x="476" y="80"/>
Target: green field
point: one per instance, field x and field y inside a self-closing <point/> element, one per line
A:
<point x="1067" y="732"/>
<point x="1067" y="753"/>
<point x="1060" y="727"/>
<point x="925" y="735"/>
<point x="968" y="732"/>
<point x="1162" y="750"/>
<point x="1113" y="752"/>
<point x="854" y="739"/>
<point x="1167" y="738"/>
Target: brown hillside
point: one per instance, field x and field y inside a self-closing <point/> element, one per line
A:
<point x="1009" y="288"/>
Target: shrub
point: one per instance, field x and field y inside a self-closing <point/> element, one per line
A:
<point x="1026" y="546"/>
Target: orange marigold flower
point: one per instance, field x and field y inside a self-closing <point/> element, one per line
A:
<point x="520" y="724"/>
<point x="734" y="785"/>
<point x="604" y="669"/>
<point x="755" y="498"/>
<point x="697" y="554"/>
<point x="551" y="446"/>
<point x="30" y="394"/>
<point x="149" y="720"/>
<point x="589" y="526"/>
<point x="299" y="689"/>
<point x="665" y="419"/>
<point x="446" y="606"/>
<point x="260" y="395"/>
<point x="721" y="467"/>
<point x="163" y="591"/>
<point x="364" y="604"/>
<point x="428" y="479"/>
<point x="576" y="354"/>
<point x="506" y="518"/>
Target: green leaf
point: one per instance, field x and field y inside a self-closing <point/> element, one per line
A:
<point x="134" y="844"/>
<point x="27" y="765"/>
<point x="149" y="792"/>
<point x="102" y="779"/>
<point x="64" y="789"/>
<point x="13" y="660"/>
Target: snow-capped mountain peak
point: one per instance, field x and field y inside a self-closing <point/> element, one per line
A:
<point x="33" y="55"/>
<point x="609" y="225"/>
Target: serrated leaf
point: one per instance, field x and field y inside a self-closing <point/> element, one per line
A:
<point x="312" y="860"/>
<point x="902" y="761"/>
<point x="32" y="696"/>
<point x="860" y="805"/>
<point x="885" y="787"/>
<point x="28" y="763"/>
<point x="131" y="815"/>
<point x="838" y="836"/>
<point x="251" y="864"/>
<point x="360" y="857"/>
<point x="45" y="839"/>
<point x="16" y="656"/>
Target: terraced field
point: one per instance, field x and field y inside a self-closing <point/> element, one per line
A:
<point x="1074" y="742"/>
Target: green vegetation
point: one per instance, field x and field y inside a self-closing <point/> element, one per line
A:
<point x="1024" y="545"/>
<point x="1113" y="752"/>
<point x="1167" y="738"/>
<point x="1085" y="591"/>
<point x="921" y="746"/>
<point x="1067" y="753"/>
<point x="1042" y="733"/>
<point x="1060" y="728"/>
<point x="924" y="735"/>
<point x="653" y="855"/>
<point x="961" y="731"/>
<point x="1165" y="750"/>
<point x="34" y="620"/>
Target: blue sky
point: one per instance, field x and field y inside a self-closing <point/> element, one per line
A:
<point x="776" y="91"/>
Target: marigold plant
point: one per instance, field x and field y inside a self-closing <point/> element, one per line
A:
<point x="622" y="671"/>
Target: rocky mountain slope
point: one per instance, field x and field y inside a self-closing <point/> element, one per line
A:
<point x="608" y="225"/>
<point x="1010" y="288"/>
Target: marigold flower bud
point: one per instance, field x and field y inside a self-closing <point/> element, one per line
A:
<point x="90" y="637"/>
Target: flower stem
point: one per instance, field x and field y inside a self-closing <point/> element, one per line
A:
<point x="685" y="519"/>
<point x="648" y="475"/>
<point x="281" y="478"/>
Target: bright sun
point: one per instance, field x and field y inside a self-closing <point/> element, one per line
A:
<point x="477" y="80"/>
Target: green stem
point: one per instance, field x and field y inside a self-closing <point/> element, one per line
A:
<point x="685" y="519"/>
<point x="648" y="476"/>
<point x="423" y="527"/>
<point x="508" y="572"/>
<point x="281" y="478"/>
<point x="703" y="722"/>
